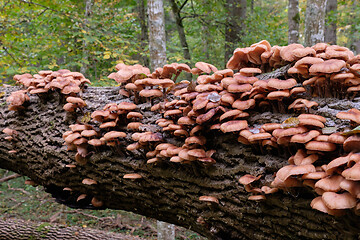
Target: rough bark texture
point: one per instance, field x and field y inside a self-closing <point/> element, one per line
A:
<point x="315" y="21"/>
<point x="236" y="15"/>
<point x="293" y="21"/>
<point x="157" y="41"/>
<point x="168" y="191"/>
<point x="330" y="26"/>
<point x="15" y="229"/>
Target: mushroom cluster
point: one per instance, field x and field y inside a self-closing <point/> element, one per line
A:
<point x="10" y="136"/>
<point x="336" y="180"/>
<point x="67" y="82"/>
<point x="107" y="129"/>
<point x="222" y="101"/>
<point x="137" y="80"/>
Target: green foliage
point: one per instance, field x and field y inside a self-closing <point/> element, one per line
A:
<point x="54" y="34"/>
<point x="33" y="203"/>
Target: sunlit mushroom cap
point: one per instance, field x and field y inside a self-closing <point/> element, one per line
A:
<point x="287" y="52"/>
<point x="328" y="66"/>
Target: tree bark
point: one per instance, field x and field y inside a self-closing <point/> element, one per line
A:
<point x="236" y="15"/>
<point x="315" y="22"/>
<point x="157" y="40"/>
<point x="330" y="25"/>
<point x="144" y="30"/>
<point x="15" y="229"/>
<point x="293" y="21"/>
<point x="168" y="191"/>
<point x="157" y="47"/>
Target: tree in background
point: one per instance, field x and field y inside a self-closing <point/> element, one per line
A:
<point x="330" y="21"/>
<point x="293" y="21"/>
<point x="314" y="22"/>
<point x="157" y="40"/>
<point x="234" y="25"/>
<point x="157" y="47"/>
<point x="55" y="34"/>
<point x="84" y="66"/>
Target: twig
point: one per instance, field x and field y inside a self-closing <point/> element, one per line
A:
<point x="84" y="214"/>
<point x="18" y="189"/>
<point x="11" y="56"/>
<point x="183" y="5"/>
<point x="5" y="179"/>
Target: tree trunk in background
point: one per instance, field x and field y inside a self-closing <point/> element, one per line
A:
<point x="168" y="191"/>
<point x="85" y="59"/>
<point x="330" y="23"/>
<point x="235" y="24"/>
<point x="15" y="229"/>
<point x="144" y="60"/>
<point x="157" y="47"/>
<point x="315" y="22"/>
<point x="157" y="40"/>
<point x="293" y="21"/>
<point x="180" y="28"/>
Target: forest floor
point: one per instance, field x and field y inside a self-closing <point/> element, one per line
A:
<point x="33" y="203"/>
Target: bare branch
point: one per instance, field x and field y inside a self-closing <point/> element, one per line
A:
<point x="7" y="178"/>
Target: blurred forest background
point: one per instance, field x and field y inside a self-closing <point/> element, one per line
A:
<point x="53" y="34"/>
<point x="92" y="36"/>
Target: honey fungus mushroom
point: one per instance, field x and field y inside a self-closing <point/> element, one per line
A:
<point x="224" y="102"/>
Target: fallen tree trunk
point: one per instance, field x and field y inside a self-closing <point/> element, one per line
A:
<point x="15" y="229"/>
<point x="168" y="191"/>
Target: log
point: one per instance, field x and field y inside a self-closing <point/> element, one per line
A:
<point x="15" y="229"/>
<point x="167" y="191"/>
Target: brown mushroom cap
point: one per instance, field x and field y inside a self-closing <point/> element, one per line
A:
<point x="338" y="201"/>
<point x="304" y="137"/>
<point x="209" y="199"/>
<point x="352" y="173"/>
<point x="9" y="131"/>
<point x="330" y="184"/>
<point x="232" y="126"/>
<point x="132" y="176"/>
<point x="89" y="181"/>
<point x="113" y="135"/>
<point x="328" y="66"/>
<point x="247" y="179"/>
<point x="76" y="100"/>
<point x="281" y="84"/>
<point x="95" y="142"/>
<point x="320" y="146"/>
<point x="352" y="143"/>
<point x="126" y="106"/>
<point x="318" y="204"/>
<point x="352" y="115"/>
<point x="330" y="168"/>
